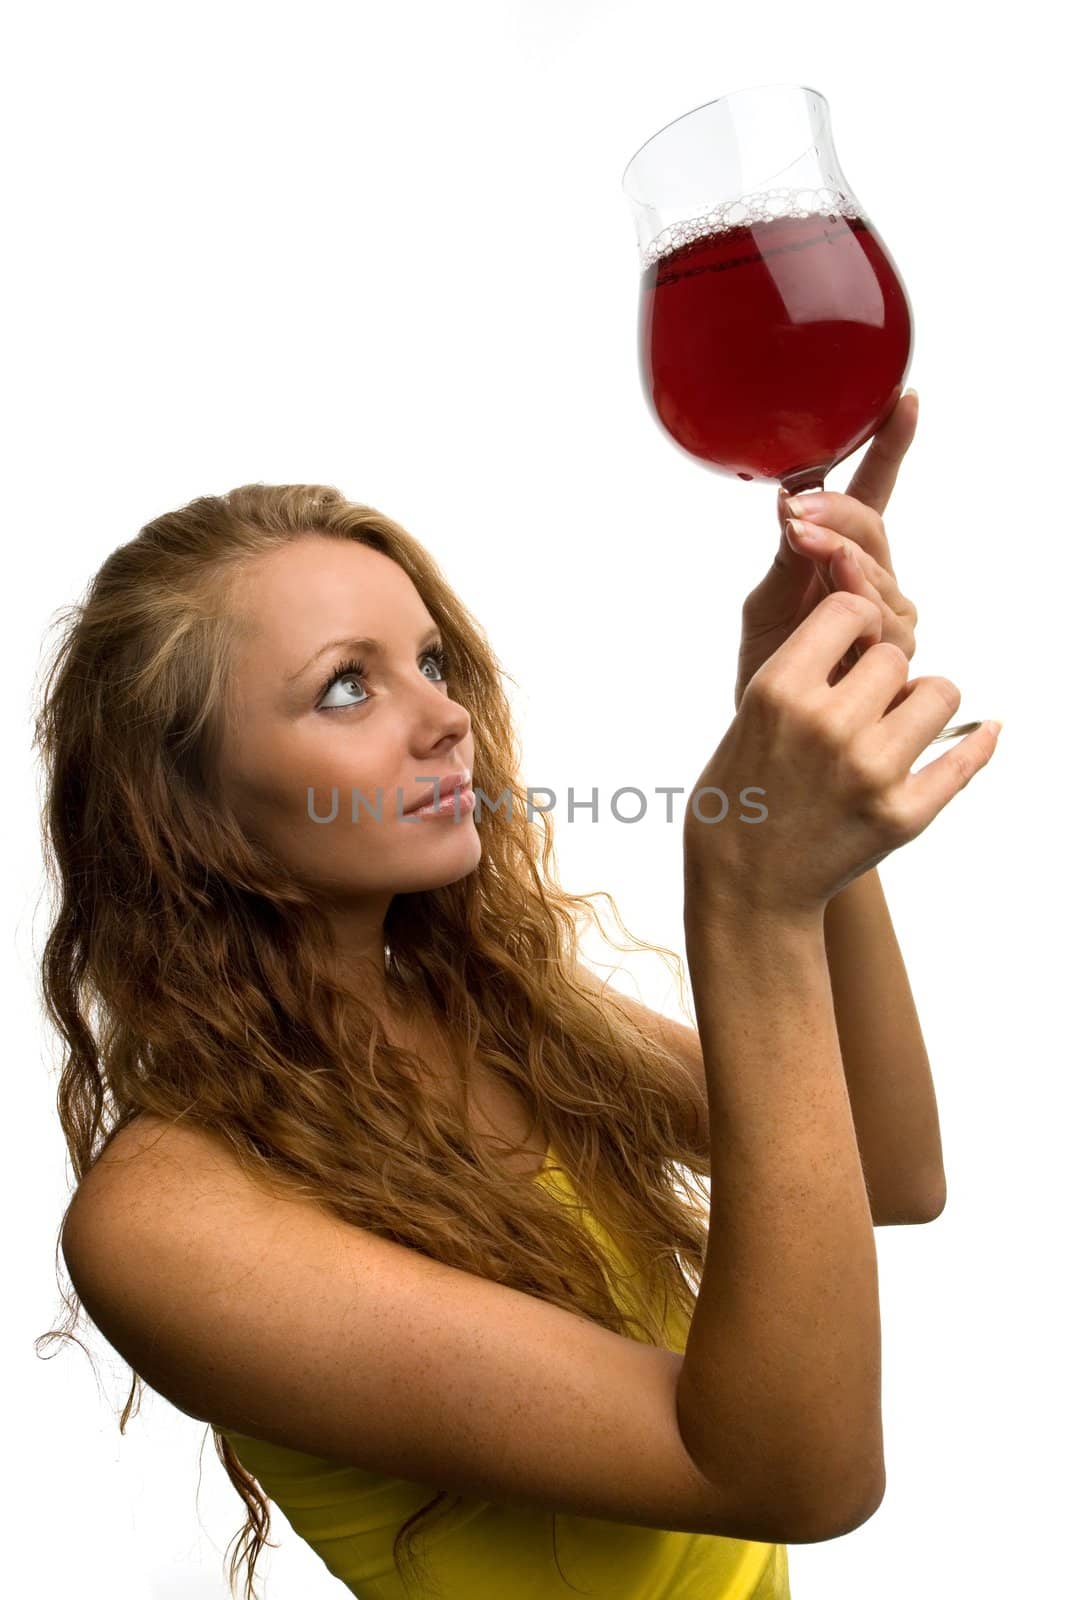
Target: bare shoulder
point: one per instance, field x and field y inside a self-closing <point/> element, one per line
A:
<point x="150" y="1150"/>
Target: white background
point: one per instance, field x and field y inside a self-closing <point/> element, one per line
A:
<point x="386" y="247"/>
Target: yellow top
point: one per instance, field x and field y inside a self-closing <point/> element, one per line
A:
<point x="481" y="1551"/>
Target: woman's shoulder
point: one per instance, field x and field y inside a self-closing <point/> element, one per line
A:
<point x="146" y="1148"/>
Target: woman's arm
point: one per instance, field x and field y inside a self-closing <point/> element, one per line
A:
<point x="887" y="1070"/>
<point x="790" y="1276"/>
<point x="887" y="1073"/>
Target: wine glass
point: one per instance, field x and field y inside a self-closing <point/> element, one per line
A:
<point x="774" y="330"/>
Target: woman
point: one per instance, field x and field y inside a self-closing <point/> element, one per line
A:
<point x="374" y="1177"/>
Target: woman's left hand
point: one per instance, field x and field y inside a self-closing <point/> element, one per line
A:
<point x="843" y="525"/>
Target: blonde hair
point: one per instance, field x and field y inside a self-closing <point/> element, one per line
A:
<point x="189" y="975"/>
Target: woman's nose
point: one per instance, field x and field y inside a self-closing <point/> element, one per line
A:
<point x="457" y="721"/>
<point x="446" y="717"/>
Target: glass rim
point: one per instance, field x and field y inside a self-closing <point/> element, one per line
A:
<point x="732" y="94"/>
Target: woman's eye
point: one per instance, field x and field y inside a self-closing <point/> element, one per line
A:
<point x="346" y="679"/>
<point x="352" y="671"/>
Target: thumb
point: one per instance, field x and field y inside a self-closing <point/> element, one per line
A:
<point x="781" y="590"/>
<point x="791" y="569"/>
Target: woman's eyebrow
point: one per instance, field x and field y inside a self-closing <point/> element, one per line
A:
<point x="369" y="646"/>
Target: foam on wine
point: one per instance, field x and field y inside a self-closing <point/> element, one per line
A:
<point x="765" y="206"/>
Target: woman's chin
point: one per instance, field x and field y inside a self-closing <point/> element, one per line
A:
<point x="443" y="860"/>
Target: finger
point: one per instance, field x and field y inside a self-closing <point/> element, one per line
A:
<point x="848" y="574"/>
<point x="818" y="643"/>
<point x="824" y="546"/>
<point x="847" y="577"/>
<point x="791" y="566"/>
<point x="928" y="791"/>
<point x="844" y="515"/>
<point x="876" y="474"/>
<point x="865" y="692"/>
<point x="903" y="693"/>
<point x="844" y="571"/>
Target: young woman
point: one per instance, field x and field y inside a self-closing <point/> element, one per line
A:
<point x="374" y="1176"/>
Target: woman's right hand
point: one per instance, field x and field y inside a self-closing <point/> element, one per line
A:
<point x="831" y="765"/>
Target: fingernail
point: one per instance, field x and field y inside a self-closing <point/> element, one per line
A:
<point x="995" y="725"/>
<point x="915" y="392"/>
<point x="803" y="534"/>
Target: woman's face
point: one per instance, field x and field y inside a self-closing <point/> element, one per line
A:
<point x="392" y="728"/>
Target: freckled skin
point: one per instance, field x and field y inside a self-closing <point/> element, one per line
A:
<point x="389" y="728"/>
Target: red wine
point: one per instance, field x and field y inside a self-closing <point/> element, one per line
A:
<point x="774" y="349"/>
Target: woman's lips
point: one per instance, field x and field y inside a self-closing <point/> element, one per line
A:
<point x="442" y="789"/>
<point x="461" y="799"/>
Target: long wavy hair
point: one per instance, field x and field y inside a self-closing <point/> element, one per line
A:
<point x="189" y="975"/>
